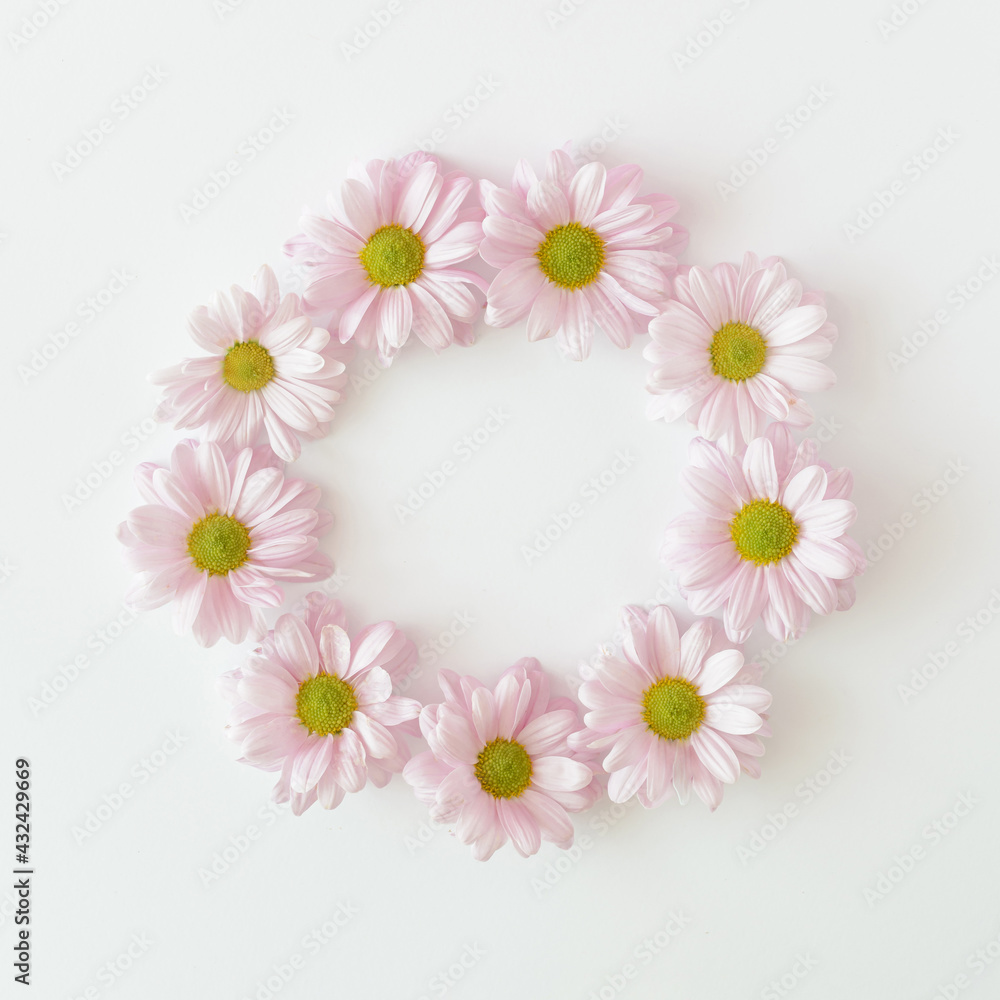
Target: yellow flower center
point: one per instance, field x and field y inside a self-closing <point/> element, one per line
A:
<point x="325" y="704"/>
<point x="247" y="366"/>
<point x="764" y="531"/>
<point x="738" y="352"/>
<point x="218" y="544"/>
<point x="393" y="256"/>
<point x="672" y="708"/>
<point x="571" y="256"/>
<point x="503" y="768"/>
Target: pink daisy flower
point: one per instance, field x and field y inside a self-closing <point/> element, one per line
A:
<point x="768" y="538"/>
<point x="384" y="262"/>
<point x="577" y="249"/>
<point x="678" y="713"/>
<point x="268" y="369"/>
<point x="735" y="348"/>
<point x="220" y="527"/>
<point x="499" y="762"/>
<point x="318" y="706"/>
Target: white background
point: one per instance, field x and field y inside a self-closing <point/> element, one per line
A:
<point x="791" y="910"/>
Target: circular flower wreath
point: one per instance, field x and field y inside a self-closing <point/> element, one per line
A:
<point x="578" y="249"/>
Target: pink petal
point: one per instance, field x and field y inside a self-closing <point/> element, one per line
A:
<point x="662" y="643"/>
<point x="729" y="718"/>
<point x="458" y="739"/>
<point x="269" y="693"/>
<point x="801" y="374"/>
<point x="348" y="761"/>
<point x="548" y="731"/>
<point x="549" y="205"/>
<point x="335" y="650"/>
<point x="520" y="825"/>
<point x="586" y="191"/>
<point x="825" y="557"/>
<point x="806" y="487"/>
<point x="393" y="710"/>
<point x="624" y="783"/>
<point x="631" y="748"/>
<point x="551" y="817"/>
<point x="369" y="644"/>
<point x="375" y="687"/>
<point x="748" y="597"/>
<point x="827" y="517"/>
<point x="694" y="645"/>
<point x="760" y="471"/>
<point x="296" y="646"/>
<point x="377" y="739"/>
<point x="560" y="774"/>
<point x="715" y="754"/>
<point x="160" y="526"/>
<point x="718" y="670"/>
<point x="484" y="715"/>
<point x="311" y="762"/>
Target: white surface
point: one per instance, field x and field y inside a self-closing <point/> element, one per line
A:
<point x="751" y="920"/>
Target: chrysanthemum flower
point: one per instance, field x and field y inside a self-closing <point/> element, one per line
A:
<point x="768" y="537"/>
<point x="499" y="762"/>
<point x="678" y="712"/>
<point x="577" y="249"/>
<point x="384" y="261"/>
<point x="268" y="369"/>
<point x="219" y="529"/>
<point x="734" y="349"/>
<point x="318" y="706"/>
